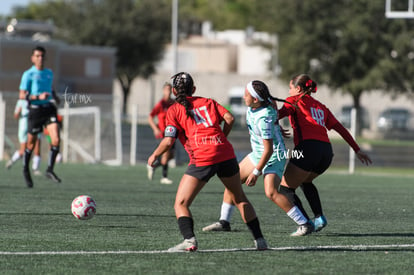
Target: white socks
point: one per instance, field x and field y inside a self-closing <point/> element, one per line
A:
<point x="36" y="162"/>
<point x="226" y="211"/>
<point x="16" y="156"/>
<point x="295" y="214"/>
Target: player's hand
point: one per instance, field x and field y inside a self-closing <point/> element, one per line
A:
<point x="157" y="133"/>
<point x="44" y="95"/>
<point x="251" y="180"/>
<point x="364" y="158"/>
<point x="152" y="160"/>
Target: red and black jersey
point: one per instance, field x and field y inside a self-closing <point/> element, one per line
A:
<point x="160" y="110"/>
<point x="201" y="134"/>
<point x="309" y="119"/>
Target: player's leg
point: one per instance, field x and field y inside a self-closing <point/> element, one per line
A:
<point x="22" y="136"/>
<point x="31" y="140"/>
<point x="187" y="190"/>
<point x="247" y="212"/>
<point x="36" y="156"/>
<point x="16" y="155"/>
<point x="309" y="189"/>
<point x="227" y="206"/>
<point x="292" y="178"/>
<point x="53" y="129"/>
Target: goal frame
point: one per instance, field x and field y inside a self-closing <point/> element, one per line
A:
<point x="401" y="14"/>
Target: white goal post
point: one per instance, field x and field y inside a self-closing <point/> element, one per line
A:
<point x="74" y="145"/>
<point x="2" y="125"/>
<point x="390" y="12"/>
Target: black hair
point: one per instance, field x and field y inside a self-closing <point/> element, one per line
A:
<point x="40" y="49"/>
<point x="184" y="85"/>
<point x="263" y="91"/>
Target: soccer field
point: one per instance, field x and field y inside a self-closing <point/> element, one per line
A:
<point x="370" y="226"/>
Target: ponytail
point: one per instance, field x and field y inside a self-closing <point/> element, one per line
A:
<point x="183" y="84"/>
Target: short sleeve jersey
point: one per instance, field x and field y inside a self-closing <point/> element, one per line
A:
<point x="23" y="105"/>
<point x="262" y="124"/>
<point x="36" y="82"/>
<point x="309" y="118"/>
<point x="160" y="110"/>
<point x="201" y="134"/>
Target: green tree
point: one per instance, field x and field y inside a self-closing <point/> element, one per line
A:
<point x="138" y="29"/>
<point x="348" y="45"/>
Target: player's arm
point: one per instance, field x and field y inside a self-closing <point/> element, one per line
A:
<point x="56" y="98"/>
<point x="17" y="112"/>
<point x="153" y="126"/>
<point x="23" y="94"/>
<point x="170" y="135"/>
<point x="267" y="153"/>
<point x="164" y="146"/>
<point x="228" y="123"/>
<point x="343" y="132"/>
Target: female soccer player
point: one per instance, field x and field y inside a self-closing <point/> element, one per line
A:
<point x="160" y="111"/>
<point x="21" y="112"/>
<point x="310" y="121"/>
<point x="268" y="157"/>
<point x="195" y="121"/>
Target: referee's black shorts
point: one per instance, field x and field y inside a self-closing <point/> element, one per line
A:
<point x="313" y="156"/>
<point x="40" y="116"/>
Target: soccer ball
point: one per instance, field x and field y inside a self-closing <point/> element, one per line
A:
<point x="83" y="207"/>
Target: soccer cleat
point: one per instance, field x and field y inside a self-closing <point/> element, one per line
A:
<point x="27" y="178"/>
<point x="260" y="244"/>
<point x="150" y="172"/>
<point x="9" y="164"/>
<point x="218" y="226"/>
<point x="304" y="229"/>
<point x="37" y="172"/>
<point x="52" y="176"/>
<point x="166" y="181"/>
<point x="188" y="245"/>
<point x="320" y="222"/>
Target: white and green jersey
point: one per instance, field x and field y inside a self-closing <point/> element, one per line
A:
<point x="23" y="105"/>
<point x="262" y="124"/>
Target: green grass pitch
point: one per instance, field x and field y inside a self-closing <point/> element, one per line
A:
<point x="370" y="226"/>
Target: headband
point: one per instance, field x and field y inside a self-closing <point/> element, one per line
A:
<point x="252" y="91"/>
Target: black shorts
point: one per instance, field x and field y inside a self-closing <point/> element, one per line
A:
<point x="313" y="156"/>
<point x="227" y="168"/>
<point x="40" y="116"/>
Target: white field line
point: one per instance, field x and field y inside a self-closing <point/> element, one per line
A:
<point x="370" y="174"/>
<point x="295" y="248"/>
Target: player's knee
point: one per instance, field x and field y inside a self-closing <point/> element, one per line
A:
<point x="271" y="194"/>
<point x="287" y="192"/>
<point x="55" y="141"/>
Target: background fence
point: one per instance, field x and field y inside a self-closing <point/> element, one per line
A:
<point x="122" y="140"/>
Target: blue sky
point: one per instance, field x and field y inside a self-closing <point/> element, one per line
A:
<point x="7" y="5"/>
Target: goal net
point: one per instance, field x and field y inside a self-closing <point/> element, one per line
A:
<point x="399" y="9"/>
<point x="89" y="135"/>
